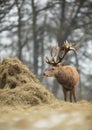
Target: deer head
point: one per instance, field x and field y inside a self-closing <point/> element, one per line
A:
<point x="52" y="71"/>
<point x="55" y="60"/>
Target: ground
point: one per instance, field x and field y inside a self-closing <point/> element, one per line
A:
<point x="55" y="116"/>
<point x="25" y="104"/>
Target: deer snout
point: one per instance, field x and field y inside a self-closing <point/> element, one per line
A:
<point x="44" y="74"/>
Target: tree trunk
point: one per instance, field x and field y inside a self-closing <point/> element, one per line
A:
<point x="19" y="44"/>
<point x="80" y="83"/>
<point x="19" y="36"/>
<point x="55" y="87"/>
<point x="35" y="44"/>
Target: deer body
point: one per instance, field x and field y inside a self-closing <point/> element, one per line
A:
<point x="67" y="76"/>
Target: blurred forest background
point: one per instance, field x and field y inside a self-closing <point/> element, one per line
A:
<point x="29" y="28"/>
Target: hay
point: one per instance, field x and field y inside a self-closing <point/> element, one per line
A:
<point x="19" y="86"/>
<point x="13" y="74"/>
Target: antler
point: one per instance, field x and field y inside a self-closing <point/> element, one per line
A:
<point x="66" y="47"/>
<point x="52" y="61"/>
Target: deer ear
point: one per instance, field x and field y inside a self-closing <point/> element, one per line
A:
<point x="58" y="65"/>
<point x="61" y="64"/>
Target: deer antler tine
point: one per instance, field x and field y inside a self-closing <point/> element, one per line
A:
<point x="73" y="49"/>
<point x="51" y="50"/>
<point x="46" y="58"/>
<point x="70" y="43"/>
<point x="53" y="57"/>
<point x="75" y="46"/>
<point x="64" y="42"/>
<point x="67" y="42"/>
<point x="58" y="49"/>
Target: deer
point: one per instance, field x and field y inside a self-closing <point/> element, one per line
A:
<point x="66" y="75"/>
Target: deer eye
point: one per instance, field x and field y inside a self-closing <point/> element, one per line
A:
<point x="53" y="69"/>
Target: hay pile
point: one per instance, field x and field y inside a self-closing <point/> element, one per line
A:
<point x="19" y="86"/>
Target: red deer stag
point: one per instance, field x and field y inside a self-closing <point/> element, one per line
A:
<point x="66" y="75"/>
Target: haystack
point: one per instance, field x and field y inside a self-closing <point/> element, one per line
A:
<point x="19" y="86"/>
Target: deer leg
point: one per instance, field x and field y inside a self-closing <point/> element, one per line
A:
<point x="74" y="96"/>
<point x="65" y="94"/>
<point x="71" y="93"/>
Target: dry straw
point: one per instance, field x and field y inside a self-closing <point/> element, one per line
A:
<point x="19" y="86"/>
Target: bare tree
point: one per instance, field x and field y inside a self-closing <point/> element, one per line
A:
<point x="68" y="19"/>
<point x="31" y="26"/>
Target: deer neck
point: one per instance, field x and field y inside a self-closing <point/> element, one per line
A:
<point x="60" y="75"/>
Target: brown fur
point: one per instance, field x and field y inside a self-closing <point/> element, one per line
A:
<point x="67" y="76"/>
